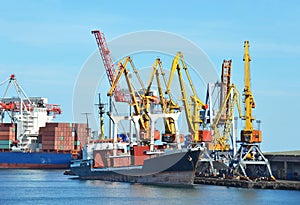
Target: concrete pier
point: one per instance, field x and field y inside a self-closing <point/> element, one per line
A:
<point x="279" y="184"/>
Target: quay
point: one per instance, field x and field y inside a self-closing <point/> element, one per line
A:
<point x="259" y="184"/>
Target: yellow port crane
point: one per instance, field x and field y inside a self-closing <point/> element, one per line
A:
<point x="167" y="105"/>
<point x="193" y="118"/>
<point x="249" y="157"/>
<point x="144" y="118"/>
<point x="221" y="138"/>
<point x="249" y="135"/>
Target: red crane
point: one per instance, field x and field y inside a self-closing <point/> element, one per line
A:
<point x="23" y="102"/>
<point x="108" y="64"/>
<point x="225" y="89"/>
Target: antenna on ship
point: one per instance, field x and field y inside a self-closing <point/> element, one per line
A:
<point x="87" y="125"/>
<point x="101" y="112"/>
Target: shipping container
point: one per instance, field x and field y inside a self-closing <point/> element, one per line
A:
<point x="62" y="136"/>
<point x="5" y="141"/>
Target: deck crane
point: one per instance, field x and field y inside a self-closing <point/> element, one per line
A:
<point x="143" y="117"/>
<point x="250" y="159"/>
<point x="167" y="105"/>
<point x="194" y="120"/>
<point x="108" y="64"/>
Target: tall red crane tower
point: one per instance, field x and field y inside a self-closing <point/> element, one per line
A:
<point x="225" y="89"/>
<point x="108" y="64"/>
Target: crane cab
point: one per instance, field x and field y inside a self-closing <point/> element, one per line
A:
<point x="254" y="136"/>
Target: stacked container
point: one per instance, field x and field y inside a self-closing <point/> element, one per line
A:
<point x="80" y="134"/>
<point x="63" y="136"/>
<point x="7" y="135"/>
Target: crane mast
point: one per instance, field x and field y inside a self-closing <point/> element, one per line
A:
<point x="248" y="134"/>
<point x="226" y="84"/>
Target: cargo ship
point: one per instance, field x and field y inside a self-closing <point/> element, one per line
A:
<point x="159" y="168"/>
<point x="139" y="159"/>
<point x="55" y="145"/>
<point x="29" y="138"/>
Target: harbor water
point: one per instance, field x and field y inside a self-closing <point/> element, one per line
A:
<point x="19" y="186"/>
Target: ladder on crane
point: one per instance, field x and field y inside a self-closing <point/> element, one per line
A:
<point x="108" y="64"/>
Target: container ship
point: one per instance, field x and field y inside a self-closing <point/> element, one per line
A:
<point x="54" y="147"/>
<point x="31" y="139"/>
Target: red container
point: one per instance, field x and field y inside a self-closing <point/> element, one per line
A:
<point x="7" y="131"/>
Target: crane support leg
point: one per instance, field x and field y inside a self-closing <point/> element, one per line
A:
<point x="252" y="162"/>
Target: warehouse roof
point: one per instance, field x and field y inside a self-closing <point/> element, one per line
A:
<point x="294" y="152"/>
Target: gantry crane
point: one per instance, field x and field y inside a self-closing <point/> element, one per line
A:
<point x="143" y="117"/>
<point x="167" y="105"/>
<point x="108" y="64"/>
<point x="250" y="159"/>
<point x="193" y="118"/>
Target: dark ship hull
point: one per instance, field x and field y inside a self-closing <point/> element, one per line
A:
<point x="176" y="168"/>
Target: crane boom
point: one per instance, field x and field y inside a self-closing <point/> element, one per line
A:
<point x="143" y="120"/>
<point x="108" y="63"/>
<point x="193" y="119"/>
<point x="249" y="100"/>
<point x="167" y="105"/>
<point x="176" y="66"/>
<point x="248" y="134"/>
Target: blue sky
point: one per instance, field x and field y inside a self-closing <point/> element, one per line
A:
<point x="45" y="43"/>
